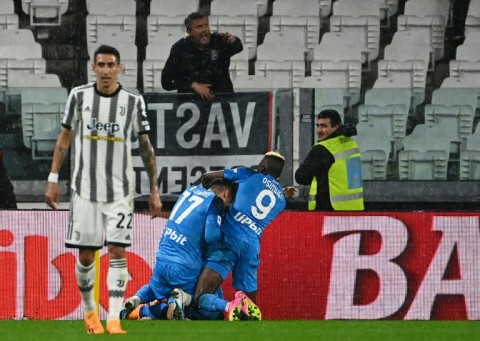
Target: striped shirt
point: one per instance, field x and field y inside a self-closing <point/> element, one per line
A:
<point x="102" y="127"/>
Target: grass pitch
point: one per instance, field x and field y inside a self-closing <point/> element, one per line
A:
<point x="262" y="330"/>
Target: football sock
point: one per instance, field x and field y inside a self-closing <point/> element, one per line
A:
<point x="210" y="302"/>
<point x="85" y="278"/>
<point x="117" y="279"/>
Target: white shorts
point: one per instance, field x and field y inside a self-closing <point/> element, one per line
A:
<point x="94" y="224"/>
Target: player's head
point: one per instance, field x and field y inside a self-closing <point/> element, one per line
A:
<point x="328" y="121"/>
<point x="107" y="67"/>
<point x="224" y="189"/>
<point x="271" y="164"/>
<point x="198" y="28"/>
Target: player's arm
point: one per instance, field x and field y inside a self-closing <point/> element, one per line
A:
<point x="213" y="221"/>
<point x="209" y="176"/>
<point x="148" y="158"/>
<point x="52" y="194"/>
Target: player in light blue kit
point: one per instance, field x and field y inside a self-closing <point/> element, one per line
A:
<point x="194" y="223"/>
<point x="259" y="200"/>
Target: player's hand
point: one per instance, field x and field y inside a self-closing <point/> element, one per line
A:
<point x="52" y="195"/>
<point x="155" y="205"/>
<point x="289" y="192"/>
<point x="203" y="90"/>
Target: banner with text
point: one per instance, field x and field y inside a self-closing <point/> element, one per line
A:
<point x="408" y="265"/>
<point x="191" y="136"/>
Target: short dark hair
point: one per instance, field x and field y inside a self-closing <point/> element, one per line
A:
<point x="193" y="16"/>
<point x="225" y="184"/>
<point x="332" y="114"/>
<point x="105" y="49"/>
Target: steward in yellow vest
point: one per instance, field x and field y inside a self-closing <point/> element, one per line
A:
<point x="333" y="167"/>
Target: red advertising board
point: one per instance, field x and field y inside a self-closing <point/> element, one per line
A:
<point x="408" y="265"/>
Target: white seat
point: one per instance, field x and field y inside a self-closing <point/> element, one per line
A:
<point x="17" y="36"/>
<point x="425" y="155"/>
<point x="428" y="17"/>
<point x="472" y="22"/>
<point x="8" y="18"/>
<point x="173" y="8"/>
<point x="327" y="98"/>
<point x="43" y="103"/>
<point x="45" y="12"/>
<point x="257" y="82"/>
<point x="454" y="109"/>
<point x="238" y="18"/>
<point x="286" y="64"/>
<point x="387" y="107"/>
<point x="409" y="45"/>
<point x="361" y="17"/>
<point x="155" y="57"/>
<point x="303" y="21"/>
<point x="375" y="147"/>
<point x="167" y="18"/>
<point x="470" y="157"/>
<point x="239" y="64"/>
<point x="464" y="81"/>
<point x="111" y="18"/>
<point x="340" y="46"/>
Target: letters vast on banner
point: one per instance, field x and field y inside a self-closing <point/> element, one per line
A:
<point x="408" y="265"/>
<point x="191" y="136"/>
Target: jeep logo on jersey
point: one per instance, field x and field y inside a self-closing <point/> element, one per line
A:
<point x="111" y="128"/>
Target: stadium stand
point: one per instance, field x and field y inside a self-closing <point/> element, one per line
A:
<point x="362" y="17"/>
<point x="167" y="18"/>
<point x="375" y="146"/>
<point x="301" y="21"/>
<point x="45" y="12"/>
<point x="428" y="17"/>
<point x="472" y="22"/>
<point x="239" y="18"/>
<point x="287" y="66"/>
<point x="8" y="18"/>
<point x="425" y="154"/>
<point x="470" y="157"/>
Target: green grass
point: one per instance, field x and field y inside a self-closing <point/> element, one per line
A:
<point x="262" y="330"/>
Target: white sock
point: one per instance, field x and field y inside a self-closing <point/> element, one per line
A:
<point x="85" y="278"/>
<point x="117" y="279"/>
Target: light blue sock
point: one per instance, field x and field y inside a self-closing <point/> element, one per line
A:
<point x="210" y="302"/>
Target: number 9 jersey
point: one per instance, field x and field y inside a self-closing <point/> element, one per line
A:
<point x="259" y="200"/>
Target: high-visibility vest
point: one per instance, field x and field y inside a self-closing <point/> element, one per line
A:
<point x="344" y="176"/>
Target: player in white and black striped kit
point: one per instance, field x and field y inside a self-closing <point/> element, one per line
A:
<point x="99" y="120"/>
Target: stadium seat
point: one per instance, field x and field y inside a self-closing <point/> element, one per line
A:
<point x="8" y="18"/>
<point x="428" y="17"/>
<point x="45" y="12"/>
<point x="155" y="57"/>
<point x="42" y="104"/>
<point x="270" y="81"/>
<point x="167" y="18"/>
<point x="239" y="64"/>
<point x="470" y="158"/>
<point x="425" y="154"/>
<point x="454" y="109"/>
<point x="111" y="18"/>
<point x="286" y="65"/>
<point x="387" y="107"/>
<point x="405" y="65"/>
<point x="303" y="21"/>
<point x="326" y="97"/>
<point x="238" y="18"/>
<point x="375" y="147"/>
<point x="472" y="22"/>
<point x="361" y="17"/>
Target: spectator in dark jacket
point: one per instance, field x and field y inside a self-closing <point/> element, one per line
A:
<point x="7" y="196"/>
<point x="199" y="63"/>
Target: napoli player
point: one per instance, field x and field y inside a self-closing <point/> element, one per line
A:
<point x="193" y="224"/>
<point x="259" y="200"/>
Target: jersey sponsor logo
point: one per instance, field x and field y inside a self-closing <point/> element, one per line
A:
<point x="177" y="238"/>
<point x="111" y="128"/>
<point x="244" y="220"/>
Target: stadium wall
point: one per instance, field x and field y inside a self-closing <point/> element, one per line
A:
<point x="388" y="265"/>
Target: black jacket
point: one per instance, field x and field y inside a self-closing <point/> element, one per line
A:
<point x="187" y="64"/>
<point x="317" y="163"/>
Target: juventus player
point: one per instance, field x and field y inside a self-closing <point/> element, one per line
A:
<point x="99" y="120"/>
